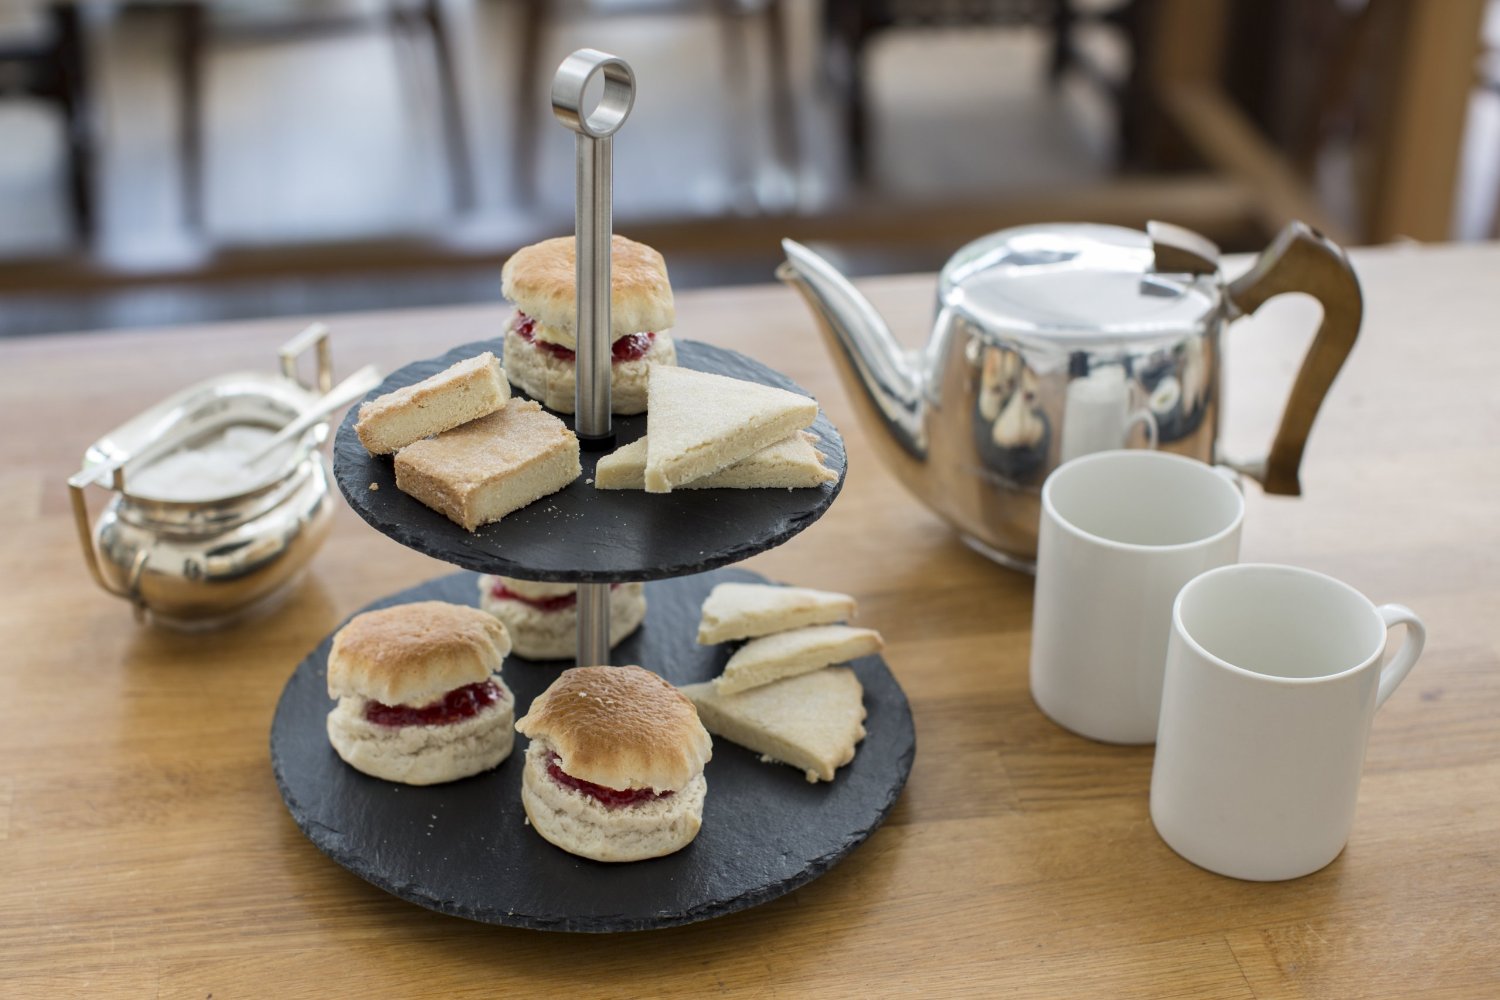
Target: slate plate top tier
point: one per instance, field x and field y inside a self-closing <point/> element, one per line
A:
<point x="584" y="535"/>
<point x="464" y="848"/>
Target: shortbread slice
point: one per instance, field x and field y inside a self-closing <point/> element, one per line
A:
<point x="747" y="610"/>
<point x="485" y="469"/>
<point x="800" y="651"/>
<point x="700" y="423"/>
<point x="812" y="722"/>
<point x="463" y="392"/>
<point x="790" y="464"/>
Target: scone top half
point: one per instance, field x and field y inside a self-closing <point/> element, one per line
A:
<point x="415" y="654"/>
<point x="540" y="280"/>
<point x="624" y="728"/>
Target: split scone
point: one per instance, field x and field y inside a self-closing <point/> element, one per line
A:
<point x="542" y="618"/>
<point x="485" y="469"/>
<point x="460" y="393"/>
<point x="812" y="721"/>
<point x="701" y="423"/>
<point x="790" y="464"/>
<point x="615" y="767"/>
<point x="542" y="337"/>
<point x="800" y="651"/>
<point x="420" y="695"/>
<point x="746" y="610"/>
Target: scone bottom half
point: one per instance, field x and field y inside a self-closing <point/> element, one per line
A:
<point x="466" y="732"/>
<point x="604" y="824"/>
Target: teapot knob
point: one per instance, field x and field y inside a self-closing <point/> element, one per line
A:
<point x="1181" y="251"/>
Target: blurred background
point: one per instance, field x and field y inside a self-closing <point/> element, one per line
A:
<point x="175" y="162"/>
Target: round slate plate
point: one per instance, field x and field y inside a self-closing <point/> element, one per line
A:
<point x="464" y="848"/>
<point x="585" y="535"/>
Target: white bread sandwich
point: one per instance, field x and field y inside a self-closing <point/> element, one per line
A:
<point x="466" y="391"/>
<point x="812" y="721"/>
<point x="800" y="651"/>
<point x="790" y="464"/>
<point x="541" y="339"/>
<point x="485" y="469"/>
<point x="420" y="695"/>
<point x="542" y="618"/>
<point x="615" y="767"/>
<point x="746" y="610"/>
<point x="701" y="423"/>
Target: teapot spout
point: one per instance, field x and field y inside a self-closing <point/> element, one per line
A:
<point x="876" y="372"/>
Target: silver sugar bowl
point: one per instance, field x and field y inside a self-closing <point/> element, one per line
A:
<point x="203" y="563"/>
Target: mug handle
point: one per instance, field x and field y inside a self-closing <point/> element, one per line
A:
<point x="1301" y="259"/>
<point x="1146" y="419"/>
<point x="1230" y="475"/>
<point x="1394" y="672"/>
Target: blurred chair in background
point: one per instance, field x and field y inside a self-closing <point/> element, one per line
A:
<point x="202" y="24"/>
<point x="850" y="26"/>
<point x="42" y="57"/>
<point x="1348" y="114"/>
<point x="1368" y="100"/>
<point x="339" y="166"/>
<point x="540" y="17"/>
<point x="1489" y="76"/>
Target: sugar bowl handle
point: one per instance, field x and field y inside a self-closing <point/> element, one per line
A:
<point x="1301" y="259"/>
<point x="78" y="486"/>
<point x="315" y="336"/>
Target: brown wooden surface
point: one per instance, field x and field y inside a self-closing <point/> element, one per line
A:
<point x="146" y="851"/>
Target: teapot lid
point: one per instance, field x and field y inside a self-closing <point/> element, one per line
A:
<point x="1077" y="284"/>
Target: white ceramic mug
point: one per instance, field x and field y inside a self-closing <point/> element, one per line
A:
<point x="1273" y="678"/>
<point x="1121" y="532"/>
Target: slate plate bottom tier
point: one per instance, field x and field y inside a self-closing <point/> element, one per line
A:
<point x="464" y="848"/>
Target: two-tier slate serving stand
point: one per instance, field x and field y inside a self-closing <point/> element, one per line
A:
<point x="464" y="848"/>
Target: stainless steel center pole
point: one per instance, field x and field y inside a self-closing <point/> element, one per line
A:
<point x="593" y="221"/>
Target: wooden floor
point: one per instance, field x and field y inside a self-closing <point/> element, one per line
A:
<point x="334" y="142"/>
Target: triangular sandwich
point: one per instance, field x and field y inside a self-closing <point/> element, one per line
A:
<point x="746" y="610"/>
<point x="800" y="651"/>
<point x="701" y="423"/>
<point x="790" y="464"/>
<point x="811" y="722"/>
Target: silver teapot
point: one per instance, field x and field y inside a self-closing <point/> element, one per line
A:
<point x="204" y="563"/>
<point x="1053" y="341"/>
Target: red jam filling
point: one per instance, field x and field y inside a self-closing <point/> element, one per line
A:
<point x="501" y="592"/>
<point x="611" y="798"/>
<point x="631" y="347"/>
<point x="459" y="704"/>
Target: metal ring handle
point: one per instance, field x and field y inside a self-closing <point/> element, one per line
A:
<point x="572" y="79"/>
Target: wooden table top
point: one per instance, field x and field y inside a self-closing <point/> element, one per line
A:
<point x="146" y="850"/>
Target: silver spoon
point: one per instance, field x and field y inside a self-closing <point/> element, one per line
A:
<point x="341" y="395"/>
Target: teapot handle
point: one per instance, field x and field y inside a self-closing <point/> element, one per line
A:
<point x="1301" y="259"/>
